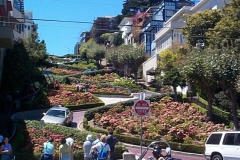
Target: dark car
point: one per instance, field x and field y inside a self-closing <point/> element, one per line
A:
<point x="58" y="115"/>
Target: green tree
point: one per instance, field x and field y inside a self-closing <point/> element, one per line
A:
<point x="227" y="29"/>
<point x="196" y="69"/>
<point x="198" y="25"/>
<point x="92" y="50"/>
<point x="36" y="48"/>
<point x="168" y="69"/>
<point x="17" y="66"/>
<point x="225" y="70"/>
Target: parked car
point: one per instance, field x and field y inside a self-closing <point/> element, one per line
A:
<point x="46" y="72"/>
<point x="223" y="145"/>
<point x="58" y="115"/>
<point x="90" y="70"/>
<point x="109" y="68"/>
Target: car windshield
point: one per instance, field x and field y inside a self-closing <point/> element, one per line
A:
<point x="56" y="113"/>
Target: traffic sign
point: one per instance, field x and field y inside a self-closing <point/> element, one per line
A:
<point x="141" y="107"/>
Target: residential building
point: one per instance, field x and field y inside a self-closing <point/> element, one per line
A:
<point x="28" y="25"/>
<point x="103" y="25"/>
<point x="18" y="14"/>
<point x="76" y="48"/>
<point x="6" y="30"/>
<point x="125" y="27"/>
<point x="171" y="31"/>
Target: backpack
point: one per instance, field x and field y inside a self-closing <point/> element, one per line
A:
<point x="103" y="153"/>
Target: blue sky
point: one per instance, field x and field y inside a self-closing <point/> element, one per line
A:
<point x="61" y="38"/>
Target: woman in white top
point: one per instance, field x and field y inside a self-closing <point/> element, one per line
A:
<point x="96" y="148"/>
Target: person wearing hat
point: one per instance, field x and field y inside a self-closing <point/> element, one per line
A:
<point x="48" y="150"/>
<point x="6" y="149"/>
<point x="157" y="153"/>
<point x="87" y="145"/>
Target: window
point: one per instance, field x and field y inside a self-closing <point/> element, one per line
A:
<point x="28" y="27"/>
<point x="17" y="5"/>
<point x="229" y="139"/>
<point x="214" y="138"/>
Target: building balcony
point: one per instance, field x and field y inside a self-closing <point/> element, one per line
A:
<point x="6" y="37"/>
<point x="152" y="24"/>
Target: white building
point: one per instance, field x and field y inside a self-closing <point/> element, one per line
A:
<point x="126" y="27"/>
<point x="28" y="15"/>
<point x="171" y="32"/>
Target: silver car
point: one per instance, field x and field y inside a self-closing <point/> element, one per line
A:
<point x="58" y="115"/>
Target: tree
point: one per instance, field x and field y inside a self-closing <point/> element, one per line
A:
<point x="16" y="68"/>
<point x="198" y="25"/>
<point x="92" y="50"/>
<point x="196" y="69"/>
<point x="127" y="55"/>
<point x="130" y="7"/>
<point x="225" y="70"/>
<point x="227" y="31"/>
<point x="168" y="69"/>
<point x="36" y="48"/>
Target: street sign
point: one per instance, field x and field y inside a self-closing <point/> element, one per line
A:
<point x="141" y="107"/>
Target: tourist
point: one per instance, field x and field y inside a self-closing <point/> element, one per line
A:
<point x="97" y="140"/>
<point x="70" y="143"/>
<point x="102" y="144"/>
<point x="112" y="141"/>
<point x="64" y="150"/>
<point x="87" y="145"/>
<point x="6" y="149"/>
<point x="48" y="150"/>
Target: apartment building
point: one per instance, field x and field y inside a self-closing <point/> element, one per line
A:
<point x="6" y="30"/>
<point x="125" y="27"/>
<point x="28" y="24"/>
<point x="18" y="14"/>
<point x="171" y="31"/>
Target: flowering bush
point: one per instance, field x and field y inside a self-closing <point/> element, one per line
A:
<point x="96" y="89"/>
<point x="169" y="120"/>
<point x="61" y="71"/>
<point x="64" y="97"/>
<point x="101" y="78"/>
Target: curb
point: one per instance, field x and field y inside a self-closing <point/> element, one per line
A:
<point x="113" y="96"/>
<point x="173" y="151"/>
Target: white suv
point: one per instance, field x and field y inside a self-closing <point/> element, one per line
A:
<point x="223" y="145"/>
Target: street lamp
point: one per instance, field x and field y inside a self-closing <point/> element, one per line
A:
<point x="67" y="48"/>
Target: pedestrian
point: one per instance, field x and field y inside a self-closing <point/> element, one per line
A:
<point x="64" y="150"/>
<point x="48" y="150"/>
<point x="6" y="150"/>
<point x="98" y="139"/>
<point x="56" y="85"/>
<point x="102" y="149"/>
<point x="86" y="87"/>
<point x="112" y="141"/>
<point x="31" y="89"/>
<point x="87" y="145"/>
<point x="70" y="143"/>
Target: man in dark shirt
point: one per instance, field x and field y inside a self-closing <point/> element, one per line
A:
<point x="111" y="141"/>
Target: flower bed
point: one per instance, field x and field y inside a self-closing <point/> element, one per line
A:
<point x="169" y="120"/>
<point x="108" y="77"/>
<point x="97" y="89"/>
<point x="68" y="98"/>
<point x="62" y="71"/>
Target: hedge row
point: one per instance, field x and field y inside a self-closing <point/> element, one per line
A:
<point x="20" y="139"/>
<point x="89" y="115"/>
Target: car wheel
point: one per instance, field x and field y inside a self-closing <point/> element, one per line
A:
<point x="217" y="157"/>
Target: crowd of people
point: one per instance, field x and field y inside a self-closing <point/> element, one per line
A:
<point x="100" y="149"/>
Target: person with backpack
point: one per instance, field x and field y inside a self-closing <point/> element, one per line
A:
<point x="102" y="149"/>
<point x="112" y="141"/>
<point x="87" y="145"/>
<point x="94" y="156"/>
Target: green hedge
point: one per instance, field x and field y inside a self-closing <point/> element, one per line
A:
<point x="19" y="140"/>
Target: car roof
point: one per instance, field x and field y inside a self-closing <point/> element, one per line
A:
<point x="228" y="131"/>
<point x="58" y="108"/>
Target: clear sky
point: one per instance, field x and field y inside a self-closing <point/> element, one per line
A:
<point x="61" y="37"/>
